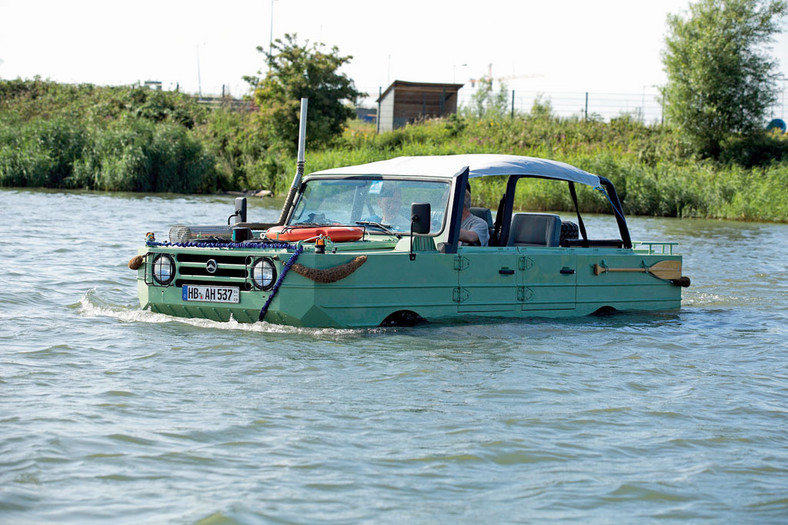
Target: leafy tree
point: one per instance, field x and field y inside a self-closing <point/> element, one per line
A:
<point x="542" y="107"/>
<point x="485" y="103"/>
<point x="297" y="71"/>
<point x="721" y="77"/>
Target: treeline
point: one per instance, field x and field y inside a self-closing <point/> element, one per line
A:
<point x="136" y="139"/>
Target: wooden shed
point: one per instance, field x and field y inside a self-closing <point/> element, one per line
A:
<point x="405" y="102"/>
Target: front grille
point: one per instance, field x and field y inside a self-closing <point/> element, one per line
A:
<point x="231" y="270"/>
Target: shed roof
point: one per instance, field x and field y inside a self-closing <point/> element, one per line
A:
<point x="421" y="87"/>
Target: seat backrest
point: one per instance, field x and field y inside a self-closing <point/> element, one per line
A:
<point x="535" y="229"/>
<point x="485" y="214"/>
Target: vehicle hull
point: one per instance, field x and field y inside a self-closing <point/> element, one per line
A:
<point x="508" y="282"/>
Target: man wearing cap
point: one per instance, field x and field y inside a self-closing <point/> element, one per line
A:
<point x="473" y="229"/>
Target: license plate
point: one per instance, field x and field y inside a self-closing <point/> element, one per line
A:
<point x="211" y="294"/>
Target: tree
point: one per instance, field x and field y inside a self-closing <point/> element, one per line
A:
<point x="297" y="71"/>
<point x="485" y="103"/>
<point x="721" y="76"/>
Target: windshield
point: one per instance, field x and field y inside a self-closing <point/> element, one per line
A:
<point x="378" y="204"/>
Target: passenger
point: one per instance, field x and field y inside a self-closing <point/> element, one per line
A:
<point x="473" y="229"/>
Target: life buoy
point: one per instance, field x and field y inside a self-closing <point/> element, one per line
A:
<point x="309" y="234"/>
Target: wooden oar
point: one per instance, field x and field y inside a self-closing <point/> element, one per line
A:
<point x="667" y="270"/>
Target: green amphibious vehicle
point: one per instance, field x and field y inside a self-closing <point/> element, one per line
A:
<point x="380" y="244"/>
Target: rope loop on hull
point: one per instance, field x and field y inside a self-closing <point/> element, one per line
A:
<point x="330" y="275"/>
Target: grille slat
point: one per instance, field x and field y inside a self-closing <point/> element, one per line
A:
<point x="231" y="270"/>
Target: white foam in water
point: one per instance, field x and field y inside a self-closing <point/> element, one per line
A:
<point x="91" y="306"/>
<point x="700" y="299"/>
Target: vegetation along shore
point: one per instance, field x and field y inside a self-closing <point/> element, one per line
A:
<point x="714" y="160"/>
<point x="135" y="139"/>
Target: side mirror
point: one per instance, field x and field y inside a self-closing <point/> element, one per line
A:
<point x="240" y="209"/>
<point x="420" y="213"/>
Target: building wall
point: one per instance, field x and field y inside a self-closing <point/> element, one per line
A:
<point x="412" y="105"/>
<point x="404" y="103"/>
<point x="386" y="117"/>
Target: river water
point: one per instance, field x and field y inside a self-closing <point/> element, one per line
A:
<point x="110" y="414"/>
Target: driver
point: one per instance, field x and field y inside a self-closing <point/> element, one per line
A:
<point x="390" y="203"/>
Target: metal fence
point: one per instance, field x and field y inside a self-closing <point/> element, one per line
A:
<point x="645" y="107"/>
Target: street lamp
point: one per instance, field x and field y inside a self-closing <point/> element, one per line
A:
<point x="454" y="72"/>
<point x="199" y="80"/>
<point x="271" y="37"/>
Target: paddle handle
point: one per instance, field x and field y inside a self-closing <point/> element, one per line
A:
<point x="603" y="269"/>
<point x="672" y="275"/>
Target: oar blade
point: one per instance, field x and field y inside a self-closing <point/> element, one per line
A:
<point x="667" y="270"/>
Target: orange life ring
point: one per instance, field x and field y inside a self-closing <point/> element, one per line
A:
<point x="309" y="234"/>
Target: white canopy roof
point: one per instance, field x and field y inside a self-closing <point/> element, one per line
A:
<point x="481" y="165"/>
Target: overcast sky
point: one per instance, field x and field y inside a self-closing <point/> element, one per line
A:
<point x="607" y="46"/>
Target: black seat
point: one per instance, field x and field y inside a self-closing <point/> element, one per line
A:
<point x="535" y="229"/>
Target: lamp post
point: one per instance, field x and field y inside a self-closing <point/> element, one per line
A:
<point x="454" y="72"/>
<point x="271" y="37"/>
<point x="199" y="79"/>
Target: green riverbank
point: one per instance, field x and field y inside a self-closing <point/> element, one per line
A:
<point x="135" y="139"/>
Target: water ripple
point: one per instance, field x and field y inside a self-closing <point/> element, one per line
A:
<point x="114" y="414"/>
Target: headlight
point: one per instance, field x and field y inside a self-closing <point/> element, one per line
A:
<point x="263" y="273"/>
<point x="163" y="269"/>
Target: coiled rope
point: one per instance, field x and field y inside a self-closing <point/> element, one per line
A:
<point x="254" y="245"/>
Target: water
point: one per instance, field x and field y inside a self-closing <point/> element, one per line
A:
<point x="112" y="414"/>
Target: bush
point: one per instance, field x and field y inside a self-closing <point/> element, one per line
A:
<point x="113" y="139"/>
<point x="40" y="153"/>
<point x="142" y="156"/>
<point x="758" y="149"/>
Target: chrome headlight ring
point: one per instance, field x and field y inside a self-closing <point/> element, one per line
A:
<point x="163" y="269"/>
<point x="263" y="273"/>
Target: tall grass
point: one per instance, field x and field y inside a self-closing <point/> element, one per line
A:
<point x="651" y="166"/>
<point x="134" y="139"/>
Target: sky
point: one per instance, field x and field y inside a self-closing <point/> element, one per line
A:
<point x="605" y="46"/>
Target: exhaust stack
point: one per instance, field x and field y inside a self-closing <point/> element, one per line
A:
<point x="299" y="164"/>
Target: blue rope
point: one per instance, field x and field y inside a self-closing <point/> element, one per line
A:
<point x="239" y="245"/>
<point x="285" y="268"/>
<point x="615" y="209"/>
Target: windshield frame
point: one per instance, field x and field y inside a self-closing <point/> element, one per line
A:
<point x="412" y="189"/>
